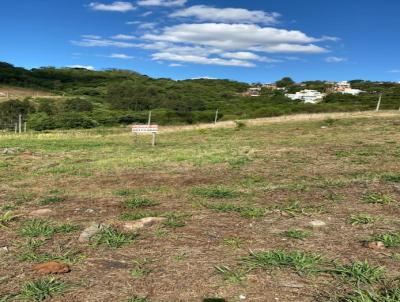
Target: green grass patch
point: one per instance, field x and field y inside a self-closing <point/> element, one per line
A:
<point x="113" y="238"/>
<point x="51" y="200"/>
<point x="299" y="261"/>
<point x="6" y="218"/>
<point x="68" y="256"/>
<point x="377" y="198"/>
<point x="139" y="202"/>
<point x="388" y="239"/>
<point x="359" y="219"/>
<point x="296" y="234"/>
<point x="385" y="295"/>
<point x="231" y="275"/>
<point x="360" y="272"/>
<point x="294" y="208"/>
<point x="137" y="215"/>
<point x="175" y="220"/>
<point x="391" y="177"/>
<point x="44" y="228"/>
<point x="244" y="211"/>
<point x="42" y="289"/>
<point x="138" y="299"/>
<point x="218" y="192"/>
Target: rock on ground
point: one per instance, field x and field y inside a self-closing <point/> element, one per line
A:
<point x="142" y="223"/>
<point x="52" y="267"/>
<point x="317" y="223"/>
<point x="90" y="231"/>
<point x="40" y="212"/>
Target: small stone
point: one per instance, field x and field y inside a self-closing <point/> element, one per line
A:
<point x="142" y="223"/>
<point x="3" y="250"/>
<point x="52" y="267"/>
<point x="40" y="212"/>
<point x="317" y="223"/>
<point x="89" y="232"/>
<point x="9" y="151"/>
<point x="377" y="245"/>
<point x="242" y="297"/>
<point x="89" y="211"/>
<point x="324" y="127"/>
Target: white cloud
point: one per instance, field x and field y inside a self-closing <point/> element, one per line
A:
<point x="87" y="42"/>
<point x="245" y="55"/>
<point x="233" y="36"/>
<point x="291" y="48"/>
<point x="118" y="6"/>
<point x="166" y="56"/>
<point x="91" y="37"/>
<point x="394" y="71"/>
<point x="166" y="3"/>
<point x="147" y="25"/>
<point x="120" y="56"/>
<point x="88" y="67"/>
<point x="335" y="59"/>
<point x="175" y="65"/>
<point x="123" y="37"/>
<point x="234" y="15"/>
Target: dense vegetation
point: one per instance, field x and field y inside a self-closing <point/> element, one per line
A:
<point x="112" y="97"/>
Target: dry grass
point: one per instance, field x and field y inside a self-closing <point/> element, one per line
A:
<point x="226" y="195"/>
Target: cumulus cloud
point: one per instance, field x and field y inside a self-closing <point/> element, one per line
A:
<point x="244" y="55"/>
<point x="88" y="67"/>
<point x="394" y="71"/>
<point x="175" y="65"/>
<point x="120" y="56"/>
<point x="335" y="59"/>
<point x="234" y="15"/>
<point x="118" y="6"/>
<point x="147" y="25"/>
<point x="231" y="36"/>
<point x="165" y="3"/>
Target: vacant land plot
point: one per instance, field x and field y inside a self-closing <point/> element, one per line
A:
<point x="296" y="211"/>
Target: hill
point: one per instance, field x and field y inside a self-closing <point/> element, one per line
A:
<point x="120" y="97"/>
<point x="296" y="211"/>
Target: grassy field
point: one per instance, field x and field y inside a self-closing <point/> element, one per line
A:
<point x="293" y="211"/>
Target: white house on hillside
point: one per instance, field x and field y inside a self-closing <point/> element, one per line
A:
<point x="308" y="96"/>
<point x="345" y="88"/>
<point x="253" y="91"/>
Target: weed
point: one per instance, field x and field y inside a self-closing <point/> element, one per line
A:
<point x="113" y="238"/>
<point x="234" y="276"/>
<point x="138" y="299"/>
<point x="300" y="261"/>
<point x="42" y="289"/>
<point x="360" y="272"/>
<point x="385" y="295"/>
<point x="175" y="220"/>
<point x="140" y="269"/>
<point x="388" y="239"/>
<point x="136" y="203"/>
<point x="296" y="234"/>
<point x="362" y="219"/>
<point x="51" y="200"/>
<point x="68" y="256"/>
<point x="180" y="257"/>
<point x="6" y="218"/>
<point x="391" y="177"/>
<point x="240" y="125"/>
<point x="137" y="215"/>
<point x="235" y="242"/>
<point x="294" y="208"/>
<point x="244" y="211"/>
<point x="215" y="192"/>
<point x="40" y="227"/>
<point x="377" y="198"/>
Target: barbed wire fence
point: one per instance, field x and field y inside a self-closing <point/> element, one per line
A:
<point x="16" y="125"/>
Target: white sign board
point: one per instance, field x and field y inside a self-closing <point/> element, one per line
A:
<point x="144" y="129"/>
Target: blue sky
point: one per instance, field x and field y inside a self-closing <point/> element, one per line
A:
<point x="252" y="41"/>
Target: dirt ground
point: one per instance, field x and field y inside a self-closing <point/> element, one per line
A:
<point x="227" y="194"/>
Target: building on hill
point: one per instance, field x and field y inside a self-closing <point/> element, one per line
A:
<point x="271" y="86"/>
<point x="253" y="92"/>
<point x="306" y="95"/>
<point x="344" y="87"/>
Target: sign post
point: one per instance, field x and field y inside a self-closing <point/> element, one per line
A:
<point x="146" y="129"/>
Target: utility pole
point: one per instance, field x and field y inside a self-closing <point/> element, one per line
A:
<point x="379" y="102"/>
<point x="216" y="117"/>
<point x="149" y="120"/>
